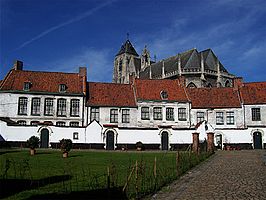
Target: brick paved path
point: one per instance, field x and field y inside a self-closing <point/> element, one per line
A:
<point x="227" y="175"/>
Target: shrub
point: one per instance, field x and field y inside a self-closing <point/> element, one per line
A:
<point x="33" y="142"/>
<point x="139" y="145"/>
<point x="65" y="145"/>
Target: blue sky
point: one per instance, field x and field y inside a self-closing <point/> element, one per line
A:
<point x="61" y="35"/>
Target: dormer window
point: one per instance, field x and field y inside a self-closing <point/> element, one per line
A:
<point x="62" y="88"/>
<point x="26" y="86"/>
<point x="164" y="95"/>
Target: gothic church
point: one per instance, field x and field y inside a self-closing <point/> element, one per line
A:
<point x="200" y="69"/>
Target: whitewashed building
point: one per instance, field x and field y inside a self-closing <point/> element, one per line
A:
<point x="162" y="114"/>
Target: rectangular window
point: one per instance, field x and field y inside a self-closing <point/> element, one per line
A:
<point x="230" y="118"/>
<point x="62" y="88"/>
<point x="34" y="123"/>
<point x="35" y="106"/>
<point x="48" y="106"/>
<point x="114" y="115"/>
<point x="74" y="124"/>
<point x="61" y="107"/>
<point x="219" y="118"/>
<point x="74" y="109"/>
<point x="255" y="114"/>
<point x="125" y="116"/>
<point x="182" y="115"/>
<point x="157" y="113"/>
<point x="21" y="122"/>
<point x="60" y="123"/>
<point x="200" y="117"/>
<point x="145" y="113"/>
<point x="95" y="114"/>
<point x="170" y="114"/>
<point x="26" y="86"/>
<point x="75" y="136"/>
<point x="22" y="105"/>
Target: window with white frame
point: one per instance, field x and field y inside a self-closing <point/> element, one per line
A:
<point x="200" y="117"/>
<point x="26" y="86"/>
<point x="48" y="106"/>
<point x="145" y="113"/>
<point x="61" y="107"/>
<point x="182" y="114"/>
<point x="125" y="116"/>
<point x="219" y="118"/>
<point x="62" y="88"/>
<point x="22" y="122"/>
<point x="74" y="107"/>
<point x="75" y="136"/>
<point x="60" y="123"/>
<point x="157" y="113"/>
<point x="170" y="114"/>
<point x="22" y="105"/>
<point x="95" y="114"/>
<point x="35" y="106"/>
<point x="230" y="118"/>
<point x="114" y="115"/>
<point x="255" y="114"/>
<point x="74" y="124"/>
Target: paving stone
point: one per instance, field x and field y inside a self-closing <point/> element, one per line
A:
<point x="226" y="175"/>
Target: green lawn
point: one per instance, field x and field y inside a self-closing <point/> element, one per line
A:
<point x="97" y="171"/>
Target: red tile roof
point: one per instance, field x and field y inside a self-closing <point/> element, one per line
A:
<point x="214" y="97"/>
<point x="110" y="94"/>
<point x="253" y="93"/>
<point x="43" y="81"/>
<point x="151" y="90"/>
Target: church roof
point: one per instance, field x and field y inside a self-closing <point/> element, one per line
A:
<point x="110" y="94"/>
<point x="214" y="97"/>
<point x="253" y="93"/>
<point x="42" y="81"/>
<point x="190" y="60"/>
<point x="150" y="90"/>
<point x="127" y="47"/>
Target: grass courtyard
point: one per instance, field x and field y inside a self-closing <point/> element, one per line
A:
<point x="89" y="174"/>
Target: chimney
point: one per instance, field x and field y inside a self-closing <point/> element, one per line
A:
<point x="83" y="74"/>
<point x="18" y="65"/>
<point x="82" y="71"/>
<point x="238" y="82"/>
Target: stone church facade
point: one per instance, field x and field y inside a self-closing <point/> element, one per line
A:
<point x="200" y="69"/>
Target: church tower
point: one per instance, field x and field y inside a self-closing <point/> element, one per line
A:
<point x="123" y="63"/>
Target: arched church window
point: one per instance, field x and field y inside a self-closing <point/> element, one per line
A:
<point x="227" y="84"/>
<point x="191" y="85"/>
<point x="120" y="65"/>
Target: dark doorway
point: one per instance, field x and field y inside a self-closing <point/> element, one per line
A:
<point x="257" y="139"/>
<point x="219" y="141"/>
<point x="44" y="138"/>
<point x="165" y="141"/>
<point x="110" y="140"/>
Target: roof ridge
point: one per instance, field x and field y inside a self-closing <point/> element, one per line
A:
<point x="49" y="72"/>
